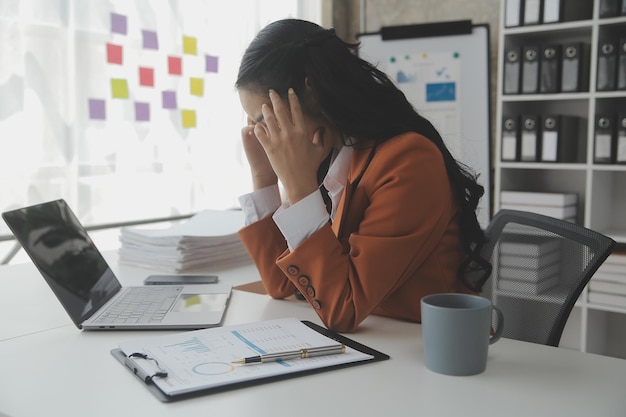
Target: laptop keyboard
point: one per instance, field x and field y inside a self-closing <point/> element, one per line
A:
<point x="141" y="305"/>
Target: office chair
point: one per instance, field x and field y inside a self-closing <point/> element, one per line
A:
<point x="540" y="265"/>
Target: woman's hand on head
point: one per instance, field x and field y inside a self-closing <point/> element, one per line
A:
<point x="293" y="154"/>
<point x="263" y="174"/>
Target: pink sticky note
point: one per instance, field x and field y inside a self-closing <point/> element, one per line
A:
<point x="114" y="53"/>
<point x="146" y="77"/>
<point x="174" y="65"/>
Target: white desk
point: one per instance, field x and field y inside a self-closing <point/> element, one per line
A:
<point x="48" y="367"/>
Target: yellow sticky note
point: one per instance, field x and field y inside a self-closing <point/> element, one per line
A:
<point x="196" y="86"/>
<point x="189" y="118"/>
<point x="119" y="88"/>
<point x="189" y="45"/>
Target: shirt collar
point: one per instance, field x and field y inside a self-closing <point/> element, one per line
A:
<point x="337" y="175"/>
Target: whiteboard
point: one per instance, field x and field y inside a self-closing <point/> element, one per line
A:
<point x="445" y="75"/>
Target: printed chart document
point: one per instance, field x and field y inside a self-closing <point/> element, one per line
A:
<point x="201" y="360"/>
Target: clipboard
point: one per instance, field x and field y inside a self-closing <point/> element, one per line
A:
<point x="148" y="382"/>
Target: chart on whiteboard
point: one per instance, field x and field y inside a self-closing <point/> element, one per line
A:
<point x="430" y="82"/>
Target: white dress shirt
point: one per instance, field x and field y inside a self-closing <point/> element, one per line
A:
<point x="308" y="215"/>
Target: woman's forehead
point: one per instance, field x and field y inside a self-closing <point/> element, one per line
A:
<point x="251" y="101"/>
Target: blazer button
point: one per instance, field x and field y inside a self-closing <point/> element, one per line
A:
<point x="292" y="270"/>
<point x="316" y="304"/>
<point x="310" y="291"/>
<point x="303" y="280"/>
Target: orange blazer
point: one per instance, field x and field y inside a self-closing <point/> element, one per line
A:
<point x="394" y="239"/>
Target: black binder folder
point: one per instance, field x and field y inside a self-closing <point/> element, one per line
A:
<point x="572" y="68"/>
<point x="559" y="139"/>
<point x="550" y="69"/>
<point x="532" y="12"/>
<point x="620" y="151"/>
<point x="609" y="8"/>
<point x="513" y="13"/>
<point x="604" y="139"/>
<point x="512" y="70"/>
<point x="529" y="138"/>
<point x="607" y="65"/>
<point x="552" y="11"/>
<point x="621" y="65"/>
<point x="510" y="139"/>
<point x="566" y="11"/>
<point x="530" y="69"/>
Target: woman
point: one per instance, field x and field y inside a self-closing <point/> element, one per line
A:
<point x="402" y="221"/>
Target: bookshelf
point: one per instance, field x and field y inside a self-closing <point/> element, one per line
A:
<point x="600" y="185"/>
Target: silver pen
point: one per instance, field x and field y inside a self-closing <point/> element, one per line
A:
<point x="294" y="354"/>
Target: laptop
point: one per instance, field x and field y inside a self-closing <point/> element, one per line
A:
<point x="91" y="294"/>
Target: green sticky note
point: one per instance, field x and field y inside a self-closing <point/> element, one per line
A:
<point x="196" y="86"/>
<point x="189" y="45"/>
<point x="188" y="118"/>
<point x="119" y="88"/>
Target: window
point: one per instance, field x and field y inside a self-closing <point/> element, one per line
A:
<point x="126" y="109"/>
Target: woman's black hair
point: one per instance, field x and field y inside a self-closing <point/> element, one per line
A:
<point x="360" y="100"/>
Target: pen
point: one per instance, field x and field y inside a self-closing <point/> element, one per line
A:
<point x="294" y="354"/>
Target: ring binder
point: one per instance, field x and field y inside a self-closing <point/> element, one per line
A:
<point x="550" y="69"/>
<point x="559" y="138"/>
<point x="532" y="12"/>
<point x="512" y="67"/>
<point x="604" y="145"/>
<point x="512" y="13"/>
<point x="607" y="66"/>
<point x="510" y="139"/>
<point x="552" y="11"/>
<point x="530" y="69"/>
<point x="572" y="68"/>
<point x="530" y="138"/>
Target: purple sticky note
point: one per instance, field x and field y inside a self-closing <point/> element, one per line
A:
<point x="150" y="39"/>
<point x="97" y="110"/>
<point x="211" y="63"/>
<point x="169" y="100"/>
<point x="142" y="111"/>
<point x="118" y="23"/>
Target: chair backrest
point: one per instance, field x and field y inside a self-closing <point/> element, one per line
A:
<point x="540" y="267"/>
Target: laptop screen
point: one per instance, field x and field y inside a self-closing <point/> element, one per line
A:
<point x="59" y="246"/>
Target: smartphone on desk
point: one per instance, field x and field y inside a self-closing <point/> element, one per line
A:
<point x="180" y="279"/>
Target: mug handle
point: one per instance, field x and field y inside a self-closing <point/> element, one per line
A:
<point x="500" y="322"/>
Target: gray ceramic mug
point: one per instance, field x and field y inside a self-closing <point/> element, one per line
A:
<point x="456" y="330"/>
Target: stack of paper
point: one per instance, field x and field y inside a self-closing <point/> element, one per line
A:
<point x="529" y="264"/>
<point x="557" y="205"/>
<point x="608" y="285"/>
<point x="207" y="239"/>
